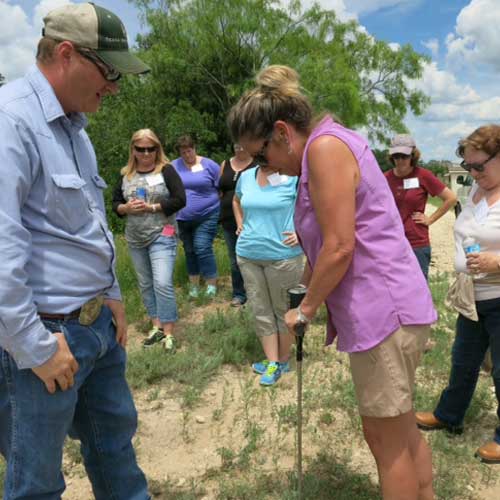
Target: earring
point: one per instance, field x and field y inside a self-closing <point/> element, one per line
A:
<point x="285" y="139"/>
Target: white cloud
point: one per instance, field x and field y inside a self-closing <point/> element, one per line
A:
<point x="19" y="35"/>
<point x="42" y="9"/>
<point x="476" y="38"/>
<point x="433" y="45"/>
<point x="460" y="129"/>
<point x="339" y="6"/>
<point x="367" y="6"/>
<point x="442" y="87"/>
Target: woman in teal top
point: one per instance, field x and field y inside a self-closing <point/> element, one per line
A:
<point x="269" y="258"/>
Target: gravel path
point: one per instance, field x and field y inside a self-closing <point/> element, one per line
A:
<point x="442" y="242"/>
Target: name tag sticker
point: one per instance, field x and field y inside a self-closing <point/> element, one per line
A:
<point x="154" y="180"/>
<point x="411" y="183"/>
<point x="197" y="168"/>
<point x="274" y="179"/>
<point x="168" y="230"/>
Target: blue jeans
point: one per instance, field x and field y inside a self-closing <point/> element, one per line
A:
<point x="237" y="280"/>
<point x="98" y="410"/>
<point x="423" y="255"/>
<point x="471" y="342"/>
<point x="198" y="238"/>
<point x="155" y="266"/>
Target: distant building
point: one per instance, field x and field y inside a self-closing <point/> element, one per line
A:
<point x="454" y="172"/>
<point x="460" y="182"/>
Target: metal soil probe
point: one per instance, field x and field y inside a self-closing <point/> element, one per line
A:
<point x="295" y="296"/>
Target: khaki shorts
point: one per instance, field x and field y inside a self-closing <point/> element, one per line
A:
<point x="266" y="284"/>
<point x="384" y="375"/>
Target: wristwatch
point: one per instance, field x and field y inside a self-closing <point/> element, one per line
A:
<point x="153" y="207"/>
<point x="301" y="317"/>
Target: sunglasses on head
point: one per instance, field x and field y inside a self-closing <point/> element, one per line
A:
<point x="109" y="73"/>
<point x="478" y="167"/>
<point x="400" y="156"/>
<point x="152" y="149"/>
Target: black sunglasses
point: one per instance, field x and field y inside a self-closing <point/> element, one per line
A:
<point x="478" y="167"/>
<point x="400" y="156"/>
<point x="259" y="158"/>
<point x="109" y="73"/>
<point x="145" y="150"/>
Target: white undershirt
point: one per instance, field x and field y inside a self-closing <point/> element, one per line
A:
<point x="483" y="224"/>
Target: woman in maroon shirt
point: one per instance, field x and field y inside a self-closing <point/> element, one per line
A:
<point x="411" y="185"/>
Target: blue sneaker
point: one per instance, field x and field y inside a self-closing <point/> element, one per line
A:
<point x="271" y="375"/>
<point x="194" y="292"/>
<point x="211" y="291"/>
<point x="261" y="367"/>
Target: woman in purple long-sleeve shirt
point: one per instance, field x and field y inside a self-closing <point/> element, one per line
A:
<point x="198" y="220"/>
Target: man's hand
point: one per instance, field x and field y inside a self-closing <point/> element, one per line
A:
<point x="120" y="320"/>
<point x="60" y="368"/>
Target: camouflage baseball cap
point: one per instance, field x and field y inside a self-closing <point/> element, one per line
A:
<point x="88" y="25"/>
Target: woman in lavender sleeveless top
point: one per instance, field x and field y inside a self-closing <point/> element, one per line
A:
<point x="359" y="264"/>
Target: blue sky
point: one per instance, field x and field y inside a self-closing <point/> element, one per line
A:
<point x="461" y="37"/>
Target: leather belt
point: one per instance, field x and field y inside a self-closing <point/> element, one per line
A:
<point x="61" y="317"/>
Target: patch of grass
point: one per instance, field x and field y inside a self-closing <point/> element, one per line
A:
<point x="2" y="473"/>
<point x="167" y="490"/>
<point x="72" y="451"/>
<point x="224" y="337"/>
<point x="326" y="477"/>
<point x="128" y="282"/>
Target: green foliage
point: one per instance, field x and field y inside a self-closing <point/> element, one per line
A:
<point x="438" y="168"/>
<point x="205" y="54"/>
<point x="2" y="473"/>
<point x="382" y="156"/>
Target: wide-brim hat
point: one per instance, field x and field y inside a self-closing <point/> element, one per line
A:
<point x="402" y="143"/>
<point x="93" y="27"/>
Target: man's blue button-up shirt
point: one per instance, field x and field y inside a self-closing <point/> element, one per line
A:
<point x="56" y="251"/>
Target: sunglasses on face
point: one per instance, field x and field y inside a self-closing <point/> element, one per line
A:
<point x="400" y="156"/>
<point x="260" y="157"/>
<point x="108" y="73"/>
<point x="478" y="167"/>
<point x="145" y="150"/>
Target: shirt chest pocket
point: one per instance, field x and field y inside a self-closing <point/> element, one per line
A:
<point x="69" y="204"/>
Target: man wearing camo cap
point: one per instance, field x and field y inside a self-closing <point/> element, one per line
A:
<point x="62" y="321"/>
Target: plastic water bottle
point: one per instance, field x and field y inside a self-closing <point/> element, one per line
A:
<point x="470" y="245"/>
<point x="141" y="192"/>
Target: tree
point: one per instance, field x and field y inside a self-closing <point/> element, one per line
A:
<point x="382" y="156"/>
<point x="208" y="52"/>
<point x="2" y="79"/>
<point x="204" y="54"/>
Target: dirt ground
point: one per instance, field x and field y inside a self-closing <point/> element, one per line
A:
<point x="176" y="445"/>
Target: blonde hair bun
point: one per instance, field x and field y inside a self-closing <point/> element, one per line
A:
<point x="277" y="77"/>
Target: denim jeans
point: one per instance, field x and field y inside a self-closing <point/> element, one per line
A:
<point x="155" y="266"/>
<point x="98" y="410"/>
<point x="198" y="237"/>
<point x="237" y="280"/>
<point x="423" y="255"/>
<point x="471" y="342"/>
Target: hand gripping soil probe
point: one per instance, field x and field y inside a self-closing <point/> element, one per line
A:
<point x="295" y="296"/>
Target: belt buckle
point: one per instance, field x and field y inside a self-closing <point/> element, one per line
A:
<point x="91" y="310"/>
